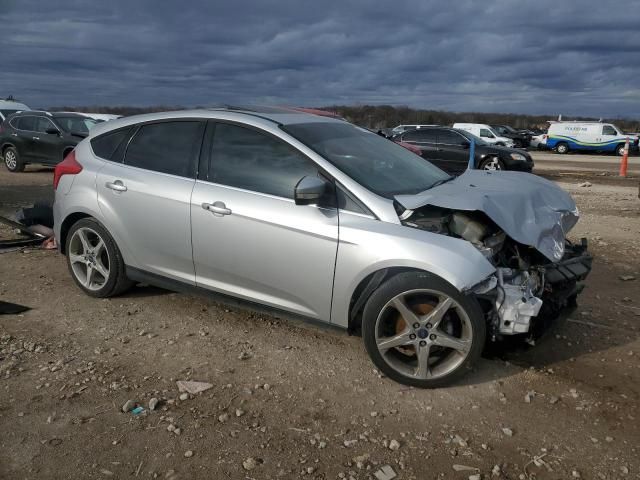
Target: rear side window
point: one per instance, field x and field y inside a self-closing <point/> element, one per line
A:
<point x="106" y="145"/>
<point x="27" y="123"/>
<point x="451" y="138"/>
<point x="167" y="147"/>
<point x="428" y="136"/>
<point x="244" y="158"/>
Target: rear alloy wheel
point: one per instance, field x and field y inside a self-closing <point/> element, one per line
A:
<point x="94" y="260"/>
<point x="620" y="150"/>
<point x="421" y="331"/>
<point x="491" y="163"/>
<point x="12" y="160"/>
<point x="562" y="148"/>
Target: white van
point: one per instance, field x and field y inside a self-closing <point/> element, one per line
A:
<point x="7" y="107"/>
<point x="603" y="137"/>
<point x="485" y="132"/>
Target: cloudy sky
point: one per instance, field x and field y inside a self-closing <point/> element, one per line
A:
<point x="573" y="57"/>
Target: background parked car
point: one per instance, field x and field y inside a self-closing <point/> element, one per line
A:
<point x="448" y="148"/>
<point x="40" y="137"/>
<point x="539" y="141"/>
<point x="521" y="138"/>
<point x="7" y="107"/>
<point x="485" y="132"/>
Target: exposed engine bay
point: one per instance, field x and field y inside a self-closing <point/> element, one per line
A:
<point x="527" y="290"/>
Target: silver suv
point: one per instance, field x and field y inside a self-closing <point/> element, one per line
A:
<point x="318" y="218"/>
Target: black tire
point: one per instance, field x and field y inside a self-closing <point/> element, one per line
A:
<point x="562" y="148"/>
<point x="491" y="163"/>
<point x="620" y="150"/>
<point x="407" y="282"/>
<point x="117" y="281"/>
<point x="12" y="160"/>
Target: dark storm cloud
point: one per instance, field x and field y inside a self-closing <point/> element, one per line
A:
<point x="578" y="57"/>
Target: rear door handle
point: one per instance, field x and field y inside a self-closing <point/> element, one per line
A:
<point x="218" y="208"/>
<point x="14" y="134"/>
<point x="35" y="138"/>
<point x="117" y="186"/>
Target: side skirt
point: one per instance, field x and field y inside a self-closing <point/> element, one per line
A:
<point x="142" y="276"/>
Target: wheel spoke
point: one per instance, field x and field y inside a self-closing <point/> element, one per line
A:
<point x="73" y="258"/>
<point x="408" y="316"/>
<point x="84" y="240"/>
<point x="445" y="340"/>
<point x="89" y="278"/>
<point x="99" y="247"/>
<point x="436" y="315"/>
<point x="395" y="341"/>
<point x="101" y="269"/>
<point x="423" y="370"/>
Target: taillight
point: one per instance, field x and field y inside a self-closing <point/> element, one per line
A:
<point x="69" y="166"/>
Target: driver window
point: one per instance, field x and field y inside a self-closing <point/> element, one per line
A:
<point x="608" y="130"/>
<point x="484" y="133"/>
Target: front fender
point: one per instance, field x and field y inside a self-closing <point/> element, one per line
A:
<point x="367" y="245"/>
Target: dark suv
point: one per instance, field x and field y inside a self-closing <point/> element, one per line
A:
<point x="520" y="139"/>
<point x="448" y="148"/>
<point x="40" y="137"/>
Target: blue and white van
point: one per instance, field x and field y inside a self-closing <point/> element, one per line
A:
<point x="596" y="136"/>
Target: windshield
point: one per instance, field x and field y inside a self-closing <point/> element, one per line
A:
<point x="470" y="136"/>
<point x="75" y="124"/>
<point x="374" y="162"/>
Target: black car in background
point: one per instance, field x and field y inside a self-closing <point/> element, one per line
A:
<point x="40" y="137"/>
<point x="448" y="148"/>
<point x="521" y="139"/>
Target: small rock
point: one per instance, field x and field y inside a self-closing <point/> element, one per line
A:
<point x="624" y="470"/>
<point x="585" y="184"/>
<point x="553" y="400"/>
<point x="496" y="470"/>
<point x="475" y="476"/>
<point x="464" y="468"/>
<point x="244" y="356"/>
<point x="508" y="432"/>
<point x="608" y="439"/>
<point x="626" y="278"/>
<point x="128" y="406"/>
<point x="249" y="464"/>
<point x="394" y="445"/>
<point x="385" y="473"/>
<point x="239" y="412"/>
<point x="188" y="454"/>
<point x="223" y="418"/>
<point x="184" y="396"/>
<point x="529" y="396"/>
<point x="576" y="474"/>
<point x="153" y="403"/>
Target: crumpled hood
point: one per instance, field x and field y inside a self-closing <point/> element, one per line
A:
<point x="530" y="209"/>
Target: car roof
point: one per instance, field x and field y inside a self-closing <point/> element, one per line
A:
<point x="266" y="115"/>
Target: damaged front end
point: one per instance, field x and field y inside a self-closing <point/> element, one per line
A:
<point x="538" y="271"/>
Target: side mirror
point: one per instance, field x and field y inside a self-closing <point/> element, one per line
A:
<point x="309" y="190"/>
<point x="52" y="131"/>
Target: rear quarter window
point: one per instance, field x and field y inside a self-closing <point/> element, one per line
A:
<point x="106" y="145"/>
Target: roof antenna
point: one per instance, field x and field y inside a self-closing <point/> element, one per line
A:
<point x="560" y="117"/>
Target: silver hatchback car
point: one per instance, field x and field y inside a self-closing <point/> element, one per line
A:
<point x="316" y="218"/>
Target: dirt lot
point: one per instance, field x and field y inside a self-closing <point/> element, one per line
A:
<point x="305" y="402"/>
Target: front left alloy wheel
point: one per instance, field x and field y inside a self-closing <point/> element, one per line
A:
<point x="94" y="260"/>
<point x="420" y="331"/>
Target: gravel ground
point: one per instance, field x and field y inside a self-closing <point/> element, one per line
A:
<point x="290" y="400"/>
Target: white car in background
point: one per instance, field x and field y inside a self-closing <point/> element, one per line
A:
<point x="7" y="107"/>
<point x="539" y="141"/>
<point x="485" y="132"/>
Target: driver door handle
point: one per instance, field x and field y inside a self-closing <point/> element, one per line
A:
<point x="218" y="208"/>
<point x="117" y="186"/>
<point x="35" y="138"/>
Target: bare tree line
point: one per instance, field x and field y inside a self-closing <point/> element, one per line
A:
<point x="386" y="116"/>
